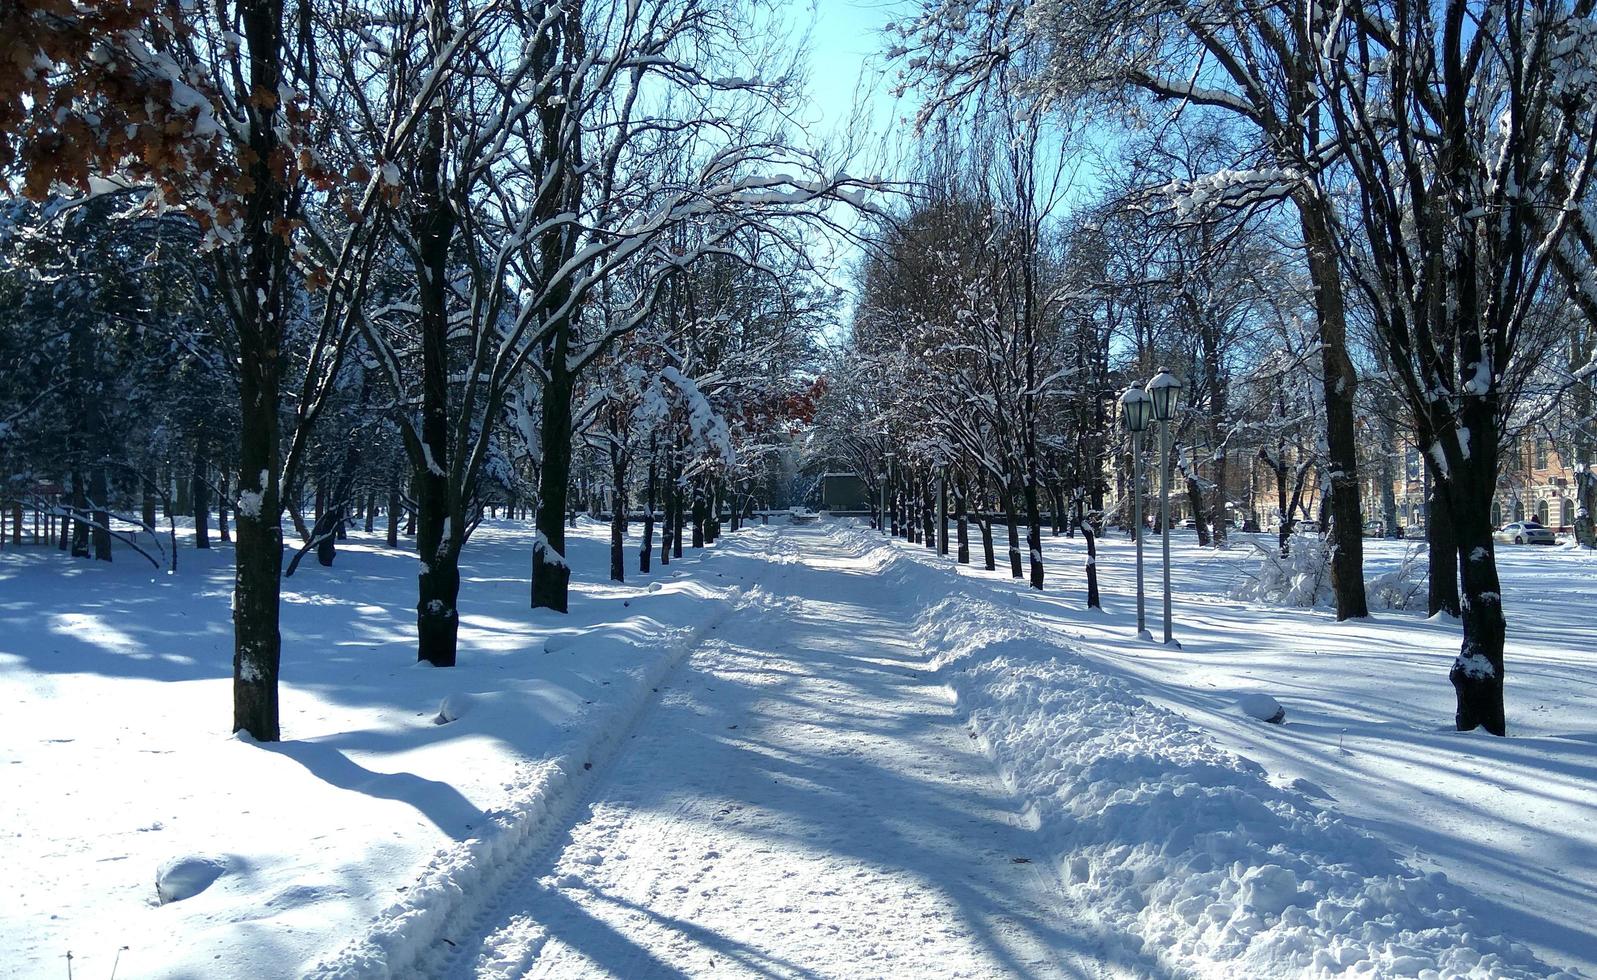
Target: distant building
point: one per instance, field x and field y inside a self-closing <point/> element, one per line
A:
<point x="1533" y="483"/>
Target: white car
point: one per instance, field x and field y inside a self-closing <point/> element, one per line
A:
<point x="1525" y="532"/>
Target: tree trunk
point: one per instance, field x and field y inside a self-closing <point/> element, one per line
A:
<point x="551" y="576"/>
<point x="989" y="560"/>
<point x="185" y="495"/>
<point x="439" y="516"/>
<point x="258" y="555"/>
<point x="1477" y="673"/>
<point x="393" y="509"/>
<point x="201" y="497"/>
<point x="1092" y="565"/>
<point x="618" y="517"/>
<point x="1441" y="538"/>
<point x="80" y="516"/>
<point x="1034" y="533"/>
<point x="100" y="490"/>
<point x="698" y="513"/>
<point x="1585" y="446"/>
<point x="1195" y="501"/>
<point x="222" y="530"/>
<point x="1012" y="521"/>
<point x="1340" y="385"/>
<point x="648" y="519"/>
<point x="679" y="520"/>
<point x="1219" y="520"/>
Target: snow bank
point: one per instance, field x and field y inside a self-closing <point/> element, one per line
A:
<point x="185" y="877"/>
<point x="1185" y="851"/>
<point x="408" y="938"/>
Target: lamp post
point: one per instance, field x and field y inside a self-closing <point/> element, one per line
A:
<point x="881" y="514"/>
<point x="1164" y="390"/>
<point x="1135" y="409"/>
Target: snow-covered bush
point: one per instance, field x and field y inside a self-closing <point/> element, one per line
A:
<point x="1403" y="587"/>
<point x="1302" y="577"/>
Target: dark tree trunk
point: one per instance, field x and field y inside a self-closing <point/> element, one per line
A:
<point x="1219" y="519"/>
<point x="1441" y="538"/>
<point x="679" y="521"/>
<point x="439" y="516"/>
<point x="668" y="518"/>
<point x="1016" y="569"/>
<point x="1092" y="565"/>
<point x="222" y="529"/>
<point x="1477" y="673"/>
<point x="80" y="517"/>
<point x="1034" y="534"/>
<point x="201" y="496"/>
<point x="712" y="511"/>
<point x="393" y="509"/>
<point x="648" y="519"/>
<point x="698" y="513"/>
<point x="147" y="507"/>
<point x="100" y="490"/>
<point x="185" y="495"/>
<point x="618" y="517"/>
<point x="257" y="643"/>
<point x="551" y="576"/>
<point x="989" y="560"/>
<point x="370" y="507"/>
<point x="1585" y="445"/>
<point x="1340" y="385"/>
<point x="1195" y="501"/>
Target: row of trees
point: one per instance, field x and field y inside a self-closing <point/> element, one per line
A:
<point x="485" y="239"/>
<point x="1330" y="218"/>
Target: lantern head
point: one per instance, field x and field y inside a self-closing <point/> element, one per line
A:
<point x="1136" y="407"/>
<point x="1164" y="389"/>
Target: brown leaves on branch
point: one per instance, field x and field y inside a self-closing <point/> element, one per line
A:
<point x="112" y="88"/>
<point x="85" y="90"/>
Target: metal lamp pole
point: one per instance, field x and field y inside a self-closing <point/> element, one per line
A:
<point x="1163" y="390"/>
<point x="881" y="515"/>
<point x="1135" y="408"/>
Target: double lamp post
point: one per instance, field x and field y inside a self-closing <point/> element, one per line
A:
<point x="1156" y="402"/>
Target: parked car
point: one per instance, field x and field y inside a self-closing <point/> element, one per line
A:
<point x="1525" y="532"/>
<point x="1307" y="527"/>
<point x="1190" y="524"/>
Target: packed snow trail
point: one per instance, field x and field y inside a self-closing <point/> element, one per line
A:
<point x="801" y="801"/>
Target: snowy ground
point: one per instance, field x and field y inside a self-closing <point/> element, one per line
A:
<point x="113" y="741"/>
<point x="1512" y="823"/>
<point x="866" y="762"/>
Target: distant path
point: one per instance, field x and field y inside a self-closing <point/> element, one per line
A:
<point x="802" y="801"/>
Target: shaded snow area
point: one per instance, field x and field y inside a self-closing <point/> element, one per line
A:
<point x="806" y="751"/>
<point x="371" y="821"/>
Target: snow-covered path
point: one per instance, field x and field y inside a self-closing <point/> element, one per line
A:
<point x="802" y="800"/>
